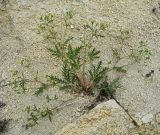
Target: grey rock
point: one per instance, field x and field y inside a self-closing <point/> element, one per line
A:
<point x="105" y="119"/>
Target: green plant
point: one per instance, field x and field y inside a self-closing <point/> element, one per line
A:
<point x="131" y="54"/>
<point x="37" y="113"/>
<point x="79" y="73"/>
<point x="18" y="82"/>
<point x="82" y="70"/>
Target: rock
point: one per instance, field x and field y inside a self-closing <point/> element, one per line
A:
<point x="147" y="118"/>
<point x="18" y="25"/>
<point x="107" y="118"/>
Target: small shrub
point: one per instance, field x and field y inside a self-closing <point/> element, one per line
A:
<point x="82" y="69"/>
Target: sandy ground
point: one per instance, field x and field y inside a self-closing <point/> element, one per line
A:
<point x="18" y="39"/>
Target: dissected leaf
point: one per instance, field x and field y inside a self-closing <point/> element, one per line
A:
<point x="40" y="90"/>
<point x="120" y="69"/>
<point x="97" y="73"/>
<point x="93" y="54"/>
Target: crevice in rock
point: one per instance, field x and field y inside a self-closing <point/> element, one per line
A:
<point x="126" y="111"/>
<point x="101" y="98"/>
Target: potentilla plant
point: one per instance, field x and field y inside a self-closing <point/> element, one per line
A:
<point x="82" y="70"/>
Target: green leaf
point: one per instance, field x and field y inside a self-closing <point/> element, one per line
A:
<point x="73" y="53"/>
<point x="95" y="28"/>
<point x="69" y="14"/>
<point x="28" y="109"/>
<point x="48" y="112"/>
<point x="125" y="34"/>
<point x="75" y="64"/>
<point x="67" y="40"/>
<point x="14" y="73"/>
<point x="67" y="74"/>
<point x="25" y="63"/>
<point x="93" y="54"/>
<point x="97" y="73"/>
<point x="56" y="51"/>
<point x="110" y="87"/>
<point x="55" y="80"/>
<point x="116" y="53"/>
<point x="48" y="98"/>
<point x="40" y="90"/>
<point x="73" y="57"/>
<point x="65" y="87"/>
<point x="120" y="69"/>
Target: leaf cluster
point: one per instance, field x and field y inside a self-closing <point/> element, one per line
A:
<point x="37" y="113"/>
<point x="142" y="53"/>
<point x="19" y="82"/>
<point x="75" y="58"/>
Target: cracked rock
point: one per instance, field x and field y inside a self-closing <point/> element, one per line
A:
<point x="106" y="118"/>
